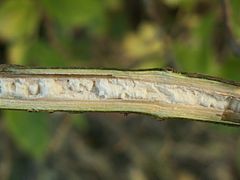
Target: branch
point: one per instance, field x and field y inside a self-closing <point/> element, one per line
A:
<point x="161" y="93"/>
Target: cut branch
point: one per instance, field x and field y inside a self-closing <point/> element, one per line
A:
<point x="161" y="93"/>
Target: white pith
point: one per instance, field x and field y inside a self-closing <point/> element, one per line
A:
<point x="96" y="89"/>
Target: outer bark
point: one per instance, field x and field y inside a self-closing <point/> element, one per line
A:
<point x="162" y="93"/>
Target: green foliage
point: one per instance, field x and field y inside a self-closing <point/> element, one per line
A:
<point x="18" y="19"/>
<point x="42" y="54"/>
<point x="30" y="131"/>
<point x="70" y="13"/>
<point x="79" y="121"/>
<point x="111" y="33"/>
<point x="196" y="54"/>
<point x="231" y="67"/>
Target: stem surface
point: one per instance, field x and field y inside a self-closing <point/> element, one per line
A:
<point x="161" y="93"/>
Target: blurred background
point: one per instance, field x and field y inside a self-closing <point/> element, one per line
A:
<point x="198" y="36"/>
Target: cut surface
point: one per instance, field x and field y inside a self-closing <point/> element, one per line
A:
<point x="98" y="89"/>
<point x="162" y="93"/>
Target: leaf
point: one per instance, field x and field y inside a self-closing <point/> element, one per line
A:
<point x="230" y="69"/>
<point x="42" y="54"/>
<point x="117" y="25"/>
<point x="79" y="121"/>
<point x="17" y="50"/>
<point x="29" y="131"/>
<point x="70" y="13"/>
<point x="18" y="19"/>
<point x="143" y="43"/>
<point x="196" y="53"/>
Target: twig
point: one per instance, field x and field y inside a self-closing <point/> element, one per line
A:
<point x="161" y="93"/>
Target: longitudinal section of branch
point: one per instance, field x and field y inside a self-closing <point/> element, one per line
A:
<point x="160" y="93"/>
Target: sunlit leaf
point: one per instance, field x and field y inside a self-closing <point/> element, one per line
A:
<point x="16" y="52"/>
<point x="145" y="42"/>
<point x="18" y="19"/>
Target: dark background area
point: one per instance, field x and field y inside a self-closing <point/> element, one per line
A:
<point x="190" y="36"/>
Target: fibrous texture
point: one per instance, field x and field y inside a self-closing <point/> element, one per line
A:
<point x="97" y="89"/>
<point x="153" y="92"/>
